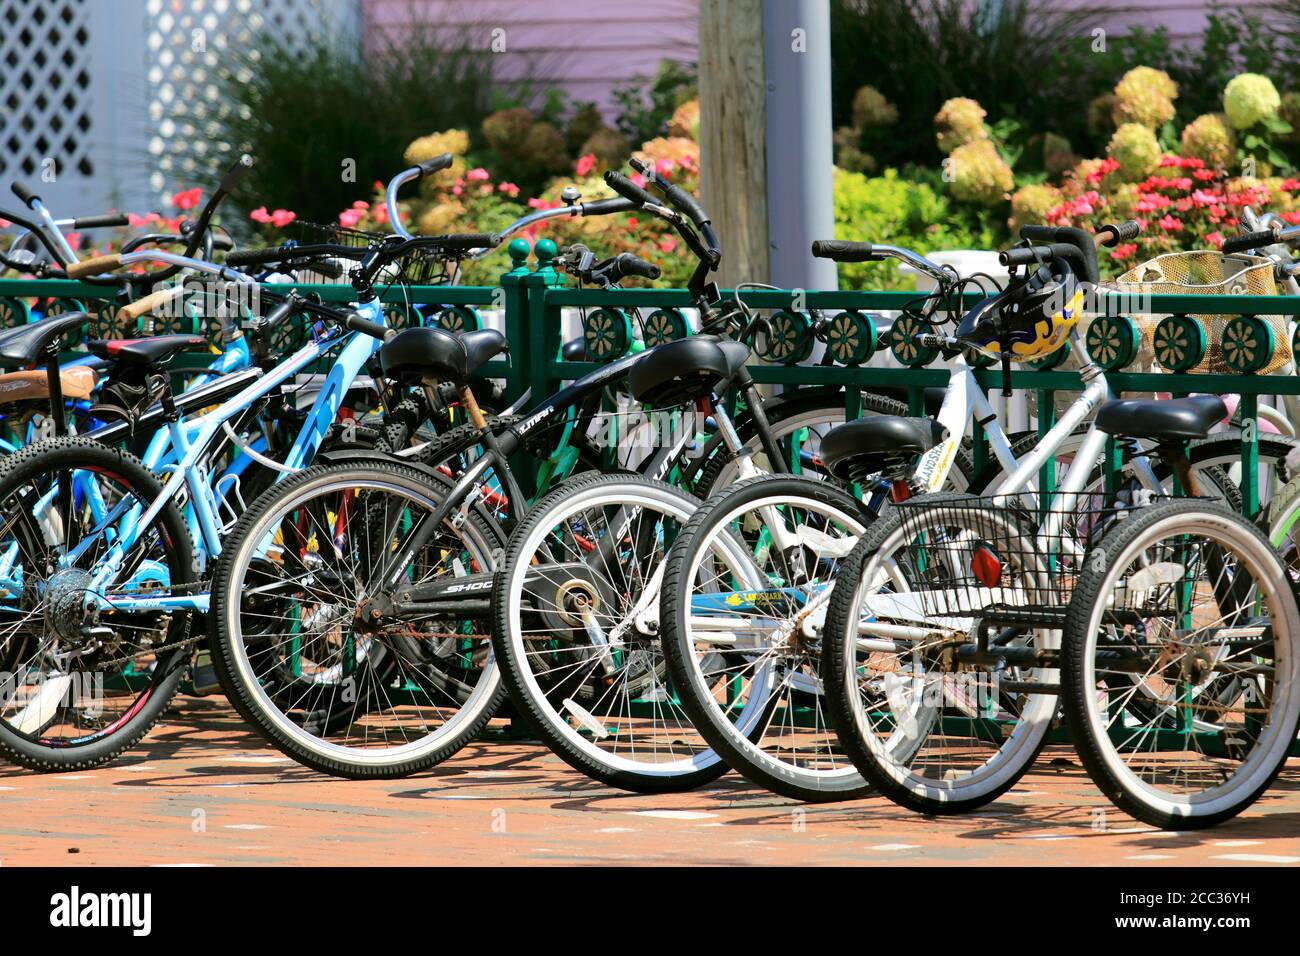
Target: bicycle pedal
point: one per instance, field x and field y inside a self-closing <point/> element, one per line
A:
<point x="203" y="676"/>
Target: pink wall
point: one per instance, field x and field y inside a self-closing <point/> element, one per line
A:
<point x="1184" y="19"/>
<point x="584" y="48"/>
<point x="588" y="48"/>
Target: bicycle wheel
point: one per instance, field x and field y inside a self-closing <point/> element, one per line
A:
<point x="932" y="732"/>
<point x="337" y="670"/>
<point x="575" y="610"/>
<point x="744" y="591"/>
<point x="1192" y="607"/>
<point x="85" y="677"/>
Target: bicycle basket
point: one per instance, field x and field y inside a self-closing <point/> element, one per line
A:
<point x="1204" y="272"/>
<point x="1000" y="560"/>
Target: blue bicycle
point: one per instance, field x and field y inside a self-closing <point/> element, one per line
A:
<point x="99" y="567"/>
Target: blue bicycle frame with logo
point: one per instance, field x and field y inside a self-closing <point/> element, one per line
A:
<point x="178" y="449"/>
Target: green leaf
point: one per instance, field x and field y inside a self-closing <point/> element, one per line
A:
<point x="1253" y="142"/>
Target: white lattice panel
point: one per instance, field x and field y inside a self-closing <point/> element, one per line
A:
<point x="186" y="42"/>
<point x="45" y="90"/>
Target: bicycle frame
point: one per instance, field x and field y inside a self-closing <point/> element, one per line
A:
<point x="183" y="444"/>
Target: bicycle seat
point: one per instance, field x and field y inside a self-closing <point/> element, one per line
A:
<point x="23" y="346"/>
<point x="684" y="370"/>
<point x="868" y="445"/>
<point x="145" y="352"/>
<point x="414" y="356"/>
<point x="33" y="385"/>
<point x="574" y="350"/>
<point x="1181" y="419"/>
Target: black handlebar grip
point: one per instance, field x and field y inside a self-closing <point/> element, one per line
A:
<point x="466" y="241"/>
<point x="841" y="250"/>
<point x="605" y="207"/>
<point x="626" y="188"/>
<point x="373" y="329"/>
<point x="1038" y="233"/>
<point x="435" y="165"/>
<point x="101" y="222"/>
<point x="1251" y="240"/>
<point x="1024" y="256"/>
<point x="685" y="203"/>
<point x="1124" y="232"/>
<point x="24" y="192"/>
<point x="236" y="173"/>
<point x="257" y="257"/>
<point x="626" y="264"/>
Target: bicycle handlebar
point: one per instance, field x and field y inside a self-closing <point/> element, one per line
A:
<point x="109" y="221"/>
<point x="1253" y="240"/>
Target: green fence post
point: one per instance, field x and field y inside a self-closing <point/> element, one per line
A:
<point x="1249" y="454"/>
<point x="515" y="288"/>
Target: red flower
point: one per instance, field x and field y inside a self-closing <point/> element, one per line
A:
<point x="1123" y="250"/>
<point x="1214" y="238"/>
<point x="188" y="199"/>
<point x="260" y="215"/>
<point x="1169" y="223"/>
<point x="585" y="164"/>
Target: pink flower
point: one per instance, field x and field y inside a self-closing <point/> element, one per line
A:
<point x="585" y="164"/>
<point x="477" y="175"/>
<point x="282" y="217"/>
<point x="1123" y="250"/>
<point x="5" y="223"/>
<point x="457" y="189"/>
<point x="260" y="215"/>
<point x="668" y="243"/>
<point x="349" y="218"/>
<point x="637" y="180"/>
<point x="188" y="199"/>
<point x="74" y="239"/>
<point x="1169" y="224"/>
<point x="510" y="189"/>
<point x="1214" y="238"/>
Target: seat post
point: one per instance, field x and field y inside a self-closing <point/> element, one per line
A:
<point x="1176" y="454"/>
<point x="55" y="387"/>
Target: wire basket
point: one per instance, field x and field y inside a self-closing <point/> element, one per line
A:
<point x="1204" y="272"/>
<point x="1000" y="560"/>
<point x="416" y="268"/>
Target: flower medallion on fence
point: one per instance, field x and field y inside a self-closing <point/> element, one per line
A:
<point x="788" y="338"/>
<point x="1247" y="344"/>
<point x="1179" y="343"/>
<point x="664" y="325"/>
<point x="607" y="334"/>
<point x="1112" y="341"/>
<point x="902" y="341"/>
<point x="851" y="337"/>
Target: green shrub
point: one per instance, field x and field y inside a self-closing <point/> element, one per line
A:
<point x="903" y="211"/>
<point x="324" y="123"/>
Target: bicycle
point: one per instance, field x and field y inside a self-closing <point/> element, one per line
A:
<point x="120" y="579"/>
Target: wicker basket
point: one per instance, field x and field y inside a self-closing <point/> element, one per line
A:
<point x="1203" y="272"/>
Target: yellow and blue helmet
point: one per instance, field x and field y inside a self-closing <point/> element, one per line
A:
<point x="1034" y="318"/>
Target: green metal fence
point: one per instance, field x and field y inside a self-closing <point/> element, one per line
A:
<point x="533" y="300"/>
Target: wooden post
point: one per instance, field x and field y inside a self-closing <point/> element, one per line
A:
<point x="733" y="129"/>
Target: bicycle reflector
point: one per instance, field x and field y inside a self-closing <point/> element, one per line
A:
<point x="986" y="566"/>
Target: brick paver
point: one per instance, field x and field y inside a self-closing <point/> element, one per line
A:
<point x="203" y="789"/>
